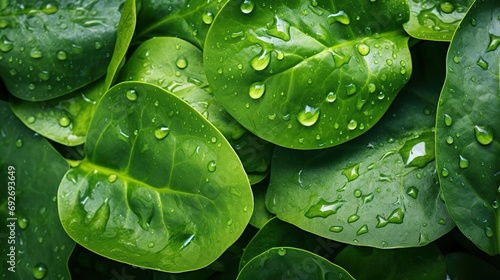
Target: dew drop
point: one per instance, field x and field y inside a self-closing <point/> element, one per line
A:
<point x="456" y="59"/>
<point x="280" y="55"/>
<point x="484" y="135"/>
<point x="463" y="162"/>
<point x="389" y="62"/>
<point x="39" y="271"/>
<point x="324" y="208"/>
<point x="494" y="42"/>
<point x="282" y="251"/>
<point x="5" y="44"/>
<point x="44" y="75"/>
<point x="19" y="143"/>
<point x="396" y="217"/>
<point x="23" y="222"/>
<point x="61" y="55"/>
<point x="309" y="116"/>
<point x="151" y="244"/>
<point x="112" y="178"/>
<point x="336" y="229"/>
<point x="211" y="166"/>
<point x="362" y="230"/>
<point x="412" y="192"/>
<point x="64" y="121"/>
<point x="357" y="193"/>
<point x="352" y="125"/>
<point x="256" y="90"/>
<point x="49" y="8"/>
<point x="331" y="97"/>
<point x="131" y="94"/>
<point x="353" y="218"/>
<point x="36" y="53"/>
<point x="495" y="204"/>
<point x="229" y="222"/>
<point x="31" y="119"/>
<point x="31" y="87"/>
<point x="340" y="17"/>
<point x="207" y="17"/>
<point x="261" y="61"/>
<point x="488" y="231"/>
<point x="449" y="140"/>
<point x="482" y="63"/>
<point x="280" y="29"/>
<point x="448" y="120"/>
<point x="161" y="132"/>
<point x="247" y="6"/>
<point x="372" y="88"/>
<point x="445" y="172"/>
<point x="447" y="7"/>
<point x="351" y="172"/>
<point x="363" y="49"/>
<point x="181" y="62"/>
<point x="351" y="89"/>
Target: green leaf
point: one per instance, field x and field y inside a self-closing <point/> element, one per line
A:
<point x="185" y="19"/>
<point x="51" y="49"/>
<point x="291" y="263"/>
<point x="379" y="190"/>
<point x="177" y="66"/>
<point x="65" y="119"/>
<point x="31" y="171"/>
<point x="412" y="263"/>
<point x="260" y="214"/>
<point x="126" y="28"/>
<point x="463" y="266"/>
<point x="467" y="131"/>
<point x="154" y="189"/>
<point x="308" y="76"/>
<point x="435" y="20"/>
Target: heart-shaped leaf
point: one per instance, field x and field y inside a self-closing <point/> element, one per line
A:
<point x="308" y="76"/>
<point x="36" y="246"/>
<point x="155" y="189"/>
<point x="467" y="130"/>
<point x="42" y="55"/>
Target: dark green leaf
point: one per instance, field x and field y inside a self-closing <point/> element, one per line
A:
<point x="379" y="190"/>
<point x="65" y="119"/>
<point x="410" y="264"/>
<point x="154" y="189"/>
<point x="260" y="214"/>
<point x="308" y="76"/>
<point x="464" y="266"/>
<point x="435" y="20"/>
<point x="31" y="171"/>
<point x="291" y="263"/>
<point x="467" y="130"/>
<point x="49" y="49"/>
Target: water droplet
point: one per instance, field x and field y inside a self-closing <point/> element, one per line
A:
<point x="494" y="42"/>
<point x="351" y="172"/>
<point x="36" y="53"/>
<point x="362" y="230"/>
<point x="463" y="162"/>
<point x="247" y="6"/>
<point x="49" y="8"/>
<point x="19" y="143"/>
<point x="256" y="90"/>
<point x="389" y="62"/>
<point x="456" y="59"/>
<point x="280" y="55"/>
<point x="449" y="140"/>
<point x="372" y="88"/>
<point x="151" y="244"/>
<point x="308" y="116"/>
<point x="445" y="172"/>
<point x="23" y="222"/>
<point x="3" y="23"/>
<point x="64" y="121"/>
<point x="181" y="62"/>
<point x="229" y="222"/>
<point x="331" y="97"/>
<point x="98" y="45"/>
<point x="448" y="120"/>
<point x="495" y="204"/>
<point x="484" y="135"/>
<point x="39" y="271"/>
<point x="351" y="89"/>
<point x="282" y="251"/>
<point x="61" y="55"/>
<point x="213" y="139"/>
<point x="161" y="132"/>
<point x="447" y="7"/>
<point x="207" y="17"/>
<point x="419" y="151"/>
<point x="340" y="17"/>
<point x="357" y="193"/>
<point x="131" y="94"/>
<point x="412" y="192"/>
<point x="353" y="218"/>
<point x="261" y="61"/>
<point x="363" y="49"/>
<point x="31" y="87"/>
<point x="280" y="29"/>
<point x="352" y="125"/>
<point x="212" y="166"/>
<point x="396" y="217"/>
<point x="112" y="178"/>
<point x="5" y="44"/>
<point x="488" y="231"/>
<point x="482" y="63"/>
<point x="324" y="209"/>
<point x="336" y="229"/>
<point x="44" y="75"/>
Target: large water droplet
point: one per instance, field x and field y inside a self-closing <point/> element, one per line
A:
<point x="282" y="251"/>
<point x="463" y="162"/>
<point x="36" y="53"/>
<point x="362" y="230"/>
<point x="447" y="7"/>
<point x="280" y="29"/>
<point x="61" y="55"/>
<point x="207" y="17"/>
<point x="19" y="143"/>
<point x="261" y="61"/>
<point x="418" y="151"/>
<point x="49" y="8"/>
<point x="22" y="222"/>
<point x="324" y="209"/>
<point x="5" y="44"/>
<point x="494" y="42"/>
<point x="352" y="125"/>
<point x="212" y="166"/>
<point x="363" y="49"/>
<point x="112" y="178"/>
<point x="448" y="120"/>
<point x="39" y="271"/>
<point x="336" y="229"/>
<point x="331" y="97"/>
<point x="489" y="232"/>
<point x="351" y="172"/>
<point x="161" y="132"/>
<point x="247" y="6"/>
<point x="256" y="90"/>
<point x="396" y="217"/>
<point x="308" y="116"/>
<point x="340" y="17"/>
<point x="484" y="134"/>
<point x="351" y="89"/>
<point x="482" y="63"/>
<point x="412" y="192"/>
<point x="181" y="62"/>
<point x="131" y="94"/>
<point x="353" y="218"/>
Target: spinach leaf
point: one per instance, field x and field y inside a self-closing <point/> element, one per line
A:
<point x="411" y="263"/>
<point x="308" y="76"/>
<point x="435" y="19"/>
<point x="467" y="131"/>
<point x="155" y="190"/>
<point x="379" y="190"/>
<point x="291" y="263"/>
<point x="45" y="46"/>
<point x="260" y="215"/>
<point x="31" y="171"/>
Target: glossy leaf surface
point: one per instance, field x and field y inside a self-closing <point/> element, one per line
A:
<point x="154" y="190"/>
<point x="65" y="119"/>
<point x="467" y="129"/>
<point x="379" y="190"/>
<point x="31" y="171"/>
<point x="435" y="20"/>
<point x="260" y="215"/>
<point x="186" y="19"/>
<point x="42" y="56"/>
<point x="177" y="66"/>
<point x="365" y="263"/>
<point x="308" y="76"/>
<point x="291" y="263"/>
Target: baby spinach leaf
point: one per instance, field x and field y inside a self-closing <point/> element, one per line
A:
<point x="260" y="215"/>
<point x="365" y="263"/>
<point x="155" y="189"/>
<point x="186" y="19"/>
<point x="177" y="66"/>
<point x="291" y="263"/>
<point x="461" y="265"/>
<point x="31" y="170"/>
<point x="308" y="76"/>
<point x="65" y="119"/>
<point x="379" y="190"/>
<point x="49" y="49"/>
<point x="435" y="20"/>
<point x="467" y="131"/>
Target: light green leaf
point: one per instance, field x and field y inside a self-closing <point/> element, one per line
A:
<point x="308" y="76"/>
<point x="467" y="130"/>
<point x="31" y="171"/>
<point x="154" y="189"/>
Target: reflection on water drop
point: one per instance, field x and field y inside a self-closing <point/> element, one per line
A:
<point x="131" y="94"/>
<point x="324" y="209"/>
<point x="484" y="134"/>
<point x="162" y="132"/>
<point x="39" y="271"/>
<point x="340" y="17"/>
<point x="256" y="90"/>
<point x="309" y="116"/>
<point x="336" y="229"/>
<point x="247" y="6"/>
<point x="212" y="166"/>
